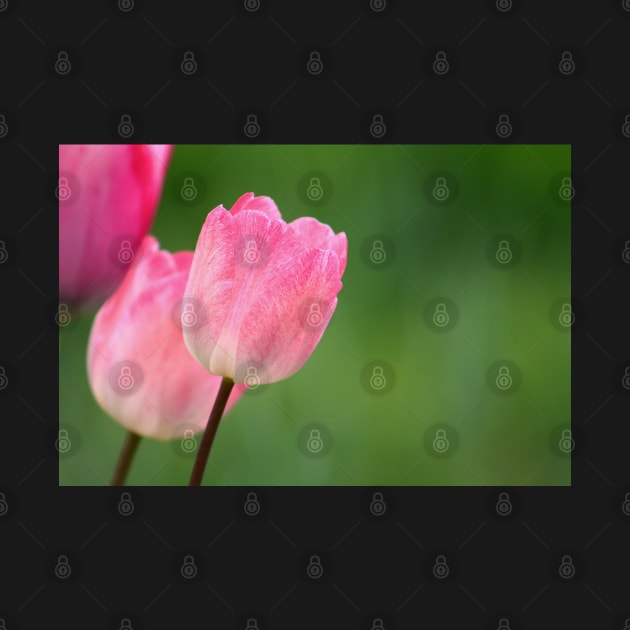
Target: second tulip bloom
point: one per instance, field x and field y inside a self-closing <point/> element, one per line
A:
<point x="139" y="369"/>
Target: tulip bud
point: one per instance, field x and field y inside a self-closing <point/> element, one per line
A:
<point x="108" y="196"/>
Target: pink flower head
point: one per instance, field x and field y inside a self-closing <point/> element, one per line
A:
<point x="108" y="196"/>
<point x="139" y="368"/>
<point x="263" y="290"/>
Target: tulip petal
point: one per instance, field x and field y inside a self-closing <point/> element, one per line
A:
<point x="275" y="333"/>
<point x="210" y="282"/>
<point x="263" y="204"/>
<point x="115" y="192"/>
<point x="316" y="234"/>
<point x="272" y="241"/>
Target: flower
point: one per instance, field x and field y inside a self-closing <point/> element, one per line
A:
<point x="108" y="196"/>
<point x="139" y="368"/>
<point x="263" y="291"/>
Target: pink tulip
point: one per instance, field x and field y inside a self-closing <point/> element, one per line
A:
<point x="139" y="368"/>
<point x="263" y="291"/>
<point x="108" y="196"/>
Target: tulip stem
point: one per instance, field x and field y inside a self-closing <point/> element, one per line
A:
<point x="127" y="452"/>
<point x="211" y="429"/>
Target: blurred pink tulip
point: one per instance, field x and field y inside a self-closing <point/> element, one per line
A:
<point x="139" y="368"/>
<point x="108" y="196"/>
<point x="262" y="291"/>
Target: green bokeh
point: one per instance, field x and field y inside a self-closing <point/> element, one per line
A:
<point x="411" y="254"/>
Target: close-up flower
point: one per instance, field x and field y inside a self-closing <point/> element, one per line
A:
<point x="108" y="196"/>
<point x="139" y="369"/>
<point x="262" y="291"/>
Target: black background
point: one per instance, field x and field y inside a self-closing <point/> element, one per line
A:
<point x="377" y="59"/>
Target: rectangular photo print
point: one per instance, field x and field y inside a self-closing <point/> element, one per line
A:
<point x="315" y="315"/>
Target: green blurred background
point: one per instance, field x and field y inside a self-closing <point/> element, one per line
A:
<point x="447" y="361"/>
